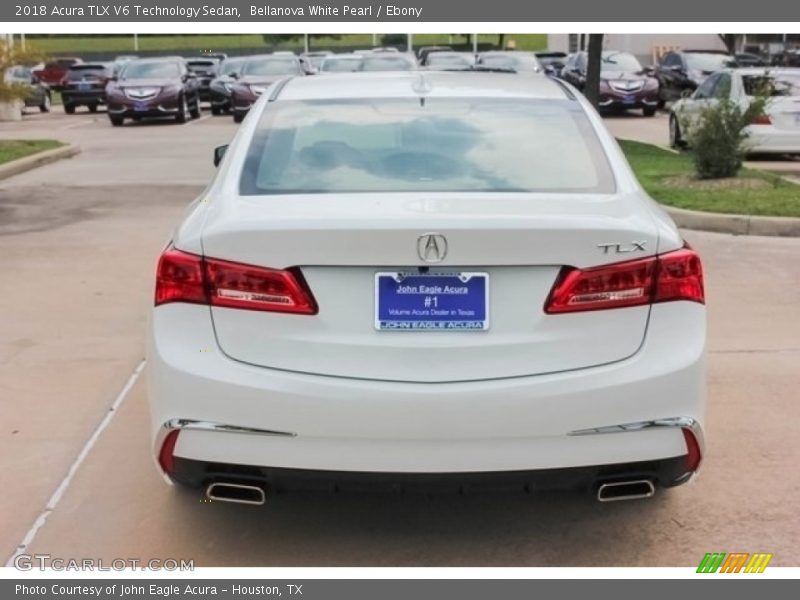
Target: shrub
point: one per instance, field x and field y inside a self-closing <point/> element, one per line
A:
<point x="718" y="139"/>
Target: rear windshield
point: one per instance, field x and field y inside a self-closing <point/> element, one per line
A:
<point x="147" y="70"/>
<point x="231" y="66"/>
<point x="387" y="63"/>
<point x="80" y="72"/>
<point x="508" y="61"/>
<point x="444" y="145"/>
<point x="708" y="62"/>
<point x="773" y="85"/>
<point x="342" y="65"/>
<point x="272" y="66"/>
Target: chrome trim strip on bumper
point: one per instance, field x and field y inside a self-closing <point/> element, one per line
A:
<point x="211" y="426"/>
<point x="679" y="422"/>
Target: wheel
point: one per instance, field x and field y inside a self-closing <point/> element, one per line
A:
<point x="183" y="111"/>
<point x="93" y="108"/>
<point x="216" y="110"/>
<point x="69" y="109"/>
<point x="195" y="110"/>
<point x="675" y="139"/>
<point x="649" y="111"/>
<point x="238" y="117"/>
<point x="45" y="105"/>
<point x="116" y="121"/>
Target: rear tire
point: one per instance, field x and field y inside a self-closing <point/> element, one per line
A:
<point x="69" y="109"/>
<point x="649" y="111"/>
<point x="183" y="111"/>
<point x="45" y="105"/>
<point x="216" y="111"/>
<point x="238" y="117"/>
<point x="116" y="121"/>
<point x="93" y="108"/>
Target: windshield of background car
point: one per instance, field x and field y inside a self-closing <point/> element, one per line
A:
<point x="708" y="62"/>
<point x="453" y="61"/>
<point x="774" y="85"/>
<point x="342" y="65"/>
<point x="619" y="61"/>
<point x="230" y="66"/>
<point x="150" y="70"/>
<point x="272" y="66"/>
<point x="441" y="145"/>
<point x="387" y="63"/>
<point x="77" y="73"/>
<point x="202" y="65"/>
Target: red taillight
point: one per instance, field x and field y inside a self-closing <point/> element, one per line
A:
<point x="257" y="288"/>
<point x="166" y="456"/>
<point x="693" y="455"/>
<point x="762" y="120"/>
<point x="676" y="275"/>
<point x="179" y="278"/>
<point x="184" y="277"/>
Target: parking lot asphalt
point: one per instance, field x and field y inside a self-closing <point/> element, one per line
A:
<point x="78" y="242"/>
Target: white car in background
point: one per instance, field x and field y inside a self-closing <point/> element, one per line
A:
<point x="776" y="132"/>
<point x="406" y="277"/>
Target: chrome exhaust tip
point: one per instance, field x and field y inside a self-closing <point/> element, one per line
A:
<point x="238" y="493"/>
<point x="634" y="489"/>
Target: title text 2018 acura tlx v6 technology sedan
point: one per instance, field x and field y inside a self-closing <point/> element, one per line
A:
<point x="397" y="278"/>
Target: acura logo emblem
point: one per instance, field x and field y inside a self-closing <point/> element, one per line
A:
<point x="432" y="247"/>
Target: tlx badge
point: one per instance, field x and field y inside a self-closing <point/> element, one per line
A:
<point x="634" y="246"/>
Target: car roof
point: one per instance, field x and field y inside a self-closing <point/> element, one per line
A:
<point x="411" y="84"/>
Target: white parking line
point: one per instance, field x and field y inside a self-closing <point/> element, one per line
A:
<point x="193" y="121"/>
<point x="62" y="488"/>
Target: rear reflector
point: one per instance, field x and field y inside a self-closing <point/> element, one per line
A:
<point x="184" y="277"/>
<point x="693" y="456"/>
<point x="676" y="275"/>
<point x="166" y="456"/>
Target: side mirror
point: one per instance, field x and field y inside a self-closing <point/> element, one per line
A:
<point x="687" y="93"/>
<point x="676" y="68"/>
<point x="219" y="154"/>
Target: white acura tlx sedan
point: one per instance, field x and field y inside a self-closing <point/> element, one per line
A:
<point x="444" y="278"/>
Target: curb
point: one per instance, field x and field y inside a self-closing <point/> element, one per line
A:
<point x="15" y="167"/>
<point x="734" y="224"/>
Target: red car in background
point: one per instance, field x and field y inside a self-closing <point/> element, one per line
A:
<point x="54" y="72"/>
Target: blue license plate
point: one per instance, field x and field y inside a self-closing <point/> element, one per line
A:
<point x="629" y="99"/>
<point x="84" y="86"/>
<point x="431" y="301"/>
<point x="140" y="107"/>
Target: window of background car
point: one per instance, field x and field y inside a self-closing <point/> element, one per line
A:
<point x="80" y="71"/>
<point x="706" y="88"/>
<point x="448" y="145"/>
<point x="342" y="65"/>
<point x="387" y="63"/>
<point x="229" y="66"/>
<point x="272" y="66"/>
<point x="620" y="61"/>
<point x="775" y="85"/>
<point x="708" y="62"/>
<point x="722" y="89"/>
<point x="150" y="70"/>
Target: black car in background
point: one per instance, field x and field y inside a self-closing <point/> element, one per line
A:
<point x="219" y="90"/>
<point x="206" y="69"/>
<point x="257" y="74"/>
<point x="85" y="85"/>
<point x="38" y="93"/>
<point x="686" y="70"/>
<point x="153" y="87"/>
<point x="552" y="62"/>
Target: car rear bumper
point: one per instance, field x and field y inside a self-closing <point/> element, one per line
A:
<point x="75" y="97"/>
<point x="254" y="416"/>
<point x="772" y="140"/>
